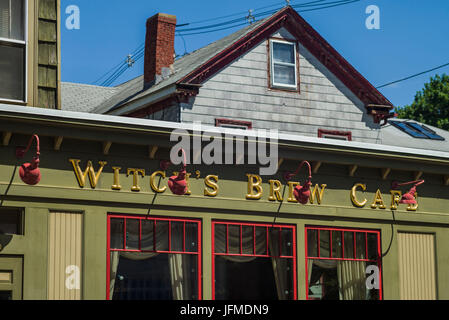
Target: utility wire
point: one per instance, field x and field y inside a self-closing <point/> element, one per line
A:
<point x="413" y="76"/>
<point x="114" y="73"/>
<point x="319" y="6"/>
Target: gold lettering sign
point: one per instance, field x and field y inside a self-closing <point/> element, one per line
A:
<point x="81" y="176"/>
<point x="211" y="182"/>
<point x="354" y="199"/>
<point x="135" y="172"/>
<point x="275" y="189"/>
<point x="254" y="184"/>
<point x="318" y="193"/>
<point x="153" y="186"/>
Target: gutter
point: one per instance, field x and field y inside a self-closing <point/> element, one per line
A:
<point x="135" y="125"/>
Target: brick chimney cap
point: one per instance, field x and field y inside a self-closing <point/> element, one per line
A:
<point x="164" y="17"/>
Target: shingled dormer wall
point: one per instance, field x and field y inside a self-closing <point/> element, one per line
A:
<point x="240" y="91"/>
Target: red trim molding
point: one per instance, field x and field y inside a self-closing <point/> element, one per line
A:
<point x="323" y="132"/>
<point x="222" y="121"/>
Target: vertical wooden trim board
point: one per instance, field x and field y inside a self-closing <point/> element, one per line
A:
<point x="64" y="256"/>
<point x="417" y="276"/>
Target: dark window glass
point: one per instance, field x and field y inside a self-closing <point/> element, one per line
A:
<point x="349" y="245"/>
<point x="5" y="295"/>
<point x="12" y="71"/>
<point x="283" y="52"/>
<point x="162" y="235"/>
<point x="360" y="245"/>
<point x="132" y="234"/>
<point x="177" y="236"/>
<point x="274" y="244"/>
<point x="324" y="243"/>
<point x="11" y="221"/>
<point x="249" y="277"/>
<point x="247" y="240"/>
<point x="252" y="280"/>
<point x="234" y="239"/>
<point x="287" y="242"/>
<point x="146" y="276"/>
<point x="191" y="237"/>
<point x="261" y="241"/>
<point x="312" y="241"/>
<point x="220" y="238"/>
<point x="372" y="246"/>
<point x="12" y="22"/>
<point x="147" y="235"/>
<point x="140" y="273"/>
<point x="337" y="249"/>
<point x="117" y="233"/>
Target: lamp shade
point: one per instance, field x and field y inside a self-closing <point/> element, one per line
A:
<point x="178" y="184"/>
<point x="302" y="193"/>
<point x="409" y="197"/>
<point x="29" y="172"/>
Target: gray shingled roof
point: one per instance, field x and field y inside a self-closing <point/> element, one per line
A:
<point x="83" y="97"/>
<point x="390" y="135"/>
<point x="134" y="89"/>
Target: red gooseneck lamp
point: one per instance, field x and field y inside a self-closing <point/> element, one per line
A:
<point x="29" y="172"/>
<point x="301" y="193"/>
<point x="178" y="184"/>
<point x="409" y="197"/>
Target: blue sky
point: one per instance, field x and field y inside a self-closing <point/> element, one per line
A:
<point x="413" y="36"/>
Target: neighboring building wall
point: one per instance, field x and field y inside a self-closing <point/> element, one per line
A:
<point x="48" y="53"/>
<point x="241" y="92"/>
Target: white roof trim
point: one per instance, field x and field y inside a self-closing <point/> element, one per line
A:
<point x="51" y="114"/>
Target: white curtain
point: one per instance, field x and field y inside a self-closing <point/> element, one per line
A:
<point x="351" y="280"/>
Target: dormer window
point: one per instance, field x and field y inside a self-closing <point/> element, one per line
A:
<point x="284" y="67"/>
<point x="12" y="50"/>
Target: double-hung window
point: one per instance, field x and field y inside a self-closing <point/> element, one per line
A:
<point x="284" y="67"/>
<point x="12" y="50"/>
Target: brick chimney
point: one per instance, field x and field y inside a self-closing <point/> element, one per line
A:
<point x="159" y="46"/>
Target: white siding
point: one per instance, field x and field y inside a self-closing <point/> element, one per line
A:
<point x="240" y="91"/>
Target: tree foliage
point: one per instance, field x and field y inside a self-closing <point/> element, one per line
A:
<point x="431" y="105"/>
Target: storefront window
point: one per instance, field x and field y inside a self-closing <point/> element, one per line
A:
<point x="254" y="261"/>
<point x="154" y="258"/>
<point x="343" y="264"/>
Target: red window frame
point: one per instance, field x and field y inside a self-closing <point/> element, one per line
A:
<point x="355" y="231"/>
<point x="324" y="132"/>
<point x="155" y="219"/>
<point x="220" y="122"/>
<point x="254" y="225"/>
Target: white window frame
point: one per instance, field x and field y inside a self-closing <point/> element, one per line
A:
<point x="272" y="63"/>
<point x="23" y="43"/>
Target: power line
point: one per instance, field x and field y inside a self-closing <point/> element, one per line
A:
<point x="413" y="76"/>
<point x="315" y="5"/>
<point x="114" y="73"/>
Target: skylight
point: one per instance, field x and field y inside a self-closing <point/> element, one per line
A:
<point x="417" y="130"/>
